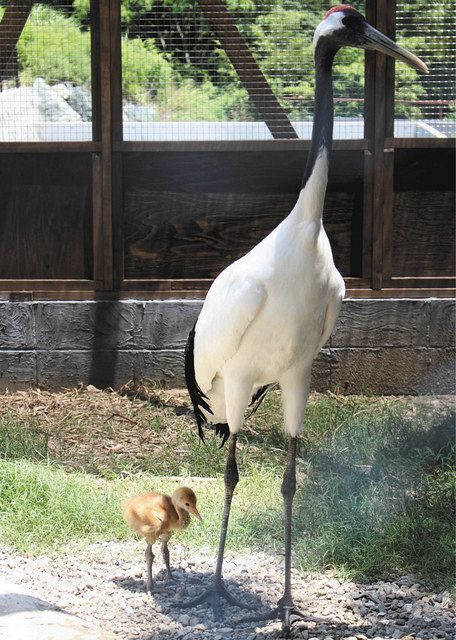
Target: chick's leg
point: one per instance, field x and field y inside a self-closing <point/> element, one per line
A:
<point x="165" y="554"/>
<point x="149" y="562"/>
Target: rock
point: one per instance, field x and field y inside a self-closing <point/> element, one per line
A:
<point x="52" y="106"/>
<point x="63" y="89"/>
<point x="138" y="113"/>
<point x="80" y="101"/>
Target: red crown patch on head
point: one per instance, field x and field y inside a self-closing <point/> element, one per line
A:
<point x="340" y="7"/>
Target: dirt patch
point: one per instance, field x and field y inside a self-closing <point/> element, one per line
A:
<point x="85" y="426"/>
<point x="143" y="428"/>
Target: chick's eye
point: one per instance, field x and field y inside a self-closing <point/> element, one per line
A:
<point x="187" y="504"/>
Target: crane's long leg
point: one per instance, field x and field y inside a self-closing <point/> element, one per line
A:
<point x="285" y="605"/>
<point x="285" y="608"/>
<point x="218" y="589"/>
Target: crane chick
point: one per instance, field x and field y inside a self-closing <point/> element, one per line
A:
<point x="155" y="516"/>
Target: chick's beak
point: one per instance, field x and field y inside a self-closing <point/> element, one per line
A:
<point x="375" y="40"/>
<point x="194" y="511"/>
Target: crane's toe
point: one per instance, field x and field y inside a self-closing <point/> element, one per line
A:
<point x="213" y="597"/>
<point x="284" y="611"/>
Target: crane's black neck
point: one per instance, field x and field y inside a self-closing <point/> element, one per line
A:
<point x="322" y="131"/>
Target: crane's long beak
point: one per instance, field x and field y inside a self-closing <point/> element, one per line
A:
<point x="376" y="40"/>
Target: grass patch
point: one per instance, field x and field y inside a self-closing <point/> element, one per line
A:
<point x="19" y="440"/>
<point x="45" y="508"/>
<point x="376" y="479"/>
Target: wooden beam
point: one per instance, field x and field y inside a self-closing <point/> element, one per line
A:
<point x="383" y="158"/>
<point x="388" y="152"/>
<point x="11" y="26"/>
<point x="420" y="143"/>
<point x="200" y="294"/>
<point x="425" y="282"/>
<point x="116" y="136"/>
<point x="104" y="53"/>
<point x="251" y="76"/>
<point x="369" y="149"/>
<point x="49" y="147"/>
<point x="148" y="146"/>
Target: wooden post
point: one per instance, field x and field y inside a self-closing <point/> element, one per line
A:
<point x="105" y="132"/>
<point x="388" y="150"/>
<point x="97" y="173"/>
<point x="116" y="137"/>
<point x="11" y="26"/>
<point x="369" y="153"/>
<point x="382" y="122"/>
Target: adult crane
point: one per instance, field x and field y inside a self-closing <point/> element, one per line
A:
<point x="267" y="315"/>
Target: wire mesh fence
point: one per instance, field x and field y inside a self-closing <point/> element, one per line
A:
<point x="180" y="84"/>
<point x="425" y="105"/>
<point x="212" y="70"/>
<point x="45" y="82"/>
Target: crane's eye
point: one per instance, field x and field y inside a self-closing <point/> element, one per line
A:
<point x="187" y="504"/>
<point x="353" y="22"/>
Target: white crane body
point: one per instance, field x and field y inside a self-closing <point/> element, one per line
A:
<point x="267" y="315"/>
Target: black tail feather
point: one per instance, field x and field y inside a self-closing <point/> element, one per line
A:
<point x="197" y="397"/>
<point x="223" y="431"/>
<point x="259" y="396"/>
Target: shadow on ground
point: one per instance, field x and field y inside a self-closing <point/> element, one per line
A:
<point x="390" y="622"/>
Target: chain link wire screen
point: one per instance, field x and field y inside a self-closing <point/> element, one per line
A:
<point x="179" y="83"/>
<point x="45" y="85"/>
<point x="425" y="105"/>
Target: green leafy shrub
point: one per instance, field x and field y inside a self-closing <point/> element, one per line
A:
<point x="146" y="72"/>
<point x="53" y="47"/>
<point x="202" y="101"/>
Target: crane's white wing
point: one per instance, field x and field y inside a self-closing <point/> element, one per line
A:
<point x="230" y="307"/>
<point x="332" y="311"/>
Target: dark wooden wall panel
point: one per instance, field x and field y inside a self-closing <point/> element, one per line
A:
<point x="45" y="216"/>
<point x="423" y="242"/>
<point x="424" y="169"/>
<point x="188" y="215"/>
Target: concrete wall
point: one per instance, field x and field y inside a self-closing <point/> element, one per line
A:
<point x="391" y="346"/>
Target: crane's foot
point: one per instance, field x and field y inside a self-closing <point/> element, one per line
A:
<point x="213" y="597"/>
<point x="284" y="611"/>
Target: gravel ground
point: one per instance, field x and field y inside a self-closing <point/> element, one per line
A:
<point x="105" y="584"/>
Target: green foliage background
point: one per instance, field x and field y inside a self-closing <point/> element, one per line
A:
<point x="171" y="60"/>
